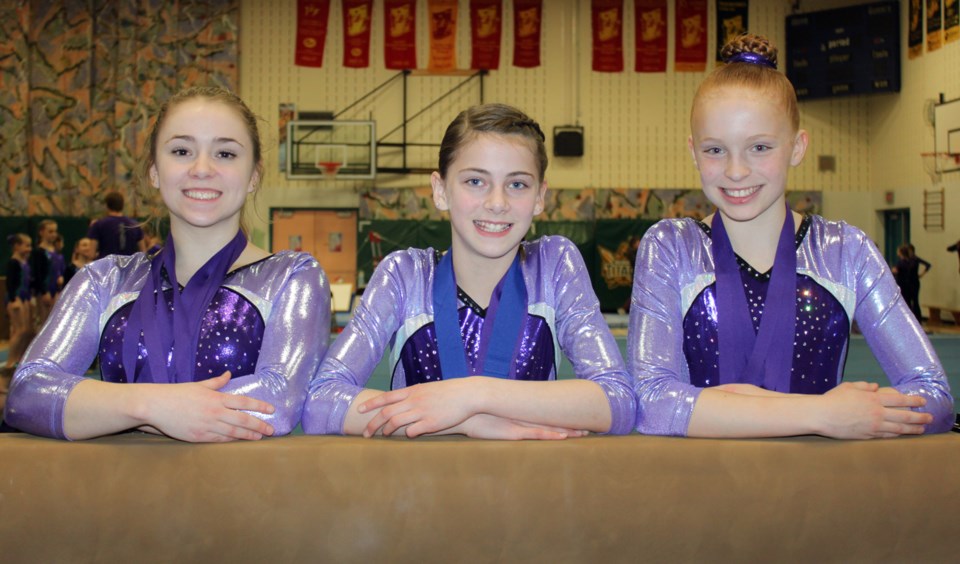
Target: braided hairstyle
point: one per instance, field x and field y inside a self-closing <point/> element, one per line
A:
<point x="751" y="62"/>
<point x="491" y="118"/>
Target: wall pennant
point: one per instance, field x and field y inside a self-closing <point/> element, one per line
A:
<point x="607" y="20"/>
<point x="312" y="18"/>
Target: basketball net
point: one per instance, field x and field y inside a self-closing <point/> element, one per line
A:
<point x="935" y="163"/>
<point x="328" y="169"/>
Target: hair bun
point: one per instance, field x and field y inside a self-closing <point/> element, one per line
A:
<point x="750" y="49"/>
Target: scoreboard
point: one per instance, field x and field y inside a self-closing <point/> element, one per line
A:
<point x="847" y="51"/>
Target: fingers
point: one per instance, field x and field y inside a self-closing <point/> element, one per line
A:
<point x="864" y="386"/>
<point x="888" y="399"/>
<point x="216" y="382"/>
<point x="907" y="417"/>
<point x="388" y="421"/>
<point x="383" y="399"/>
<point x="247" y="403"/>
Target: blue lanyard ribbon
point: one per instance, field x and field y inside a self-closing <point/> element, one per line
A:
<point x="502" y="326"/>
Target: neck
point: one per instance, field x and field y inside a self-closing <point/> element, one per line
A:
<point x="478" y="276"/>
<point x="755" y="241"/>
<point x="195" y="246"/>
<point x="114" y="213"/>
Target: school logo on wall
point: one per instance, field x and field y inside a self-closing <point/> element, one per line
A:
<point x="615" y="266"/>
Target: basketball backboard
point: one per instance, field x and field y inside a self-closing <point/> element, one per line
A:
<point x="331" y="150"/>
<point x="947" y="134"/>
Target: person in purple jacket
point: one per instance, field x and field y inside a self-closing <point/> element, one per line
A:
<point x="739" y="324"/>
<point x="477" y="331"/>
<point x="115" y="233"/>
<point x="211" y="339"/>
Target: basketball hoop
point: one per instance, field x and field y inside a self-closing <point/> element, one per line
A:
<point x="328" y="169"/>
<point x="936" y="163"/>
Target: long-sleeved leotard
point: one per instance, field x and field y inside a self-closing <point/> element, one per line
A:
<point x="672" y="347"/>
<point x="268" y="323"/>
<point x="397" y="310"/>
<point x="18" y="281"/>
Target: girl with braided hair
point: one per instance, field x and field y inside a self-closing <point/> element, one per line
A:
<point x="476" y="332"/>
<point x="739" y="324"/>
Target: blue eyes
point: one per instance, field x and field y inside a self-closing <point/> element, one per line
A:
<point x="479" y="183"/>
<point x="184" y="152"/>
<point x="758" y="148"/>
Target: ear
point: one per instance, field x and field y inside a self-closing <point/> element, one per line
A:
<point x="693" y="153"/>
<point x="439" y="192"/>
<point x="254" y="181"/>
<point x="154" y="176"/>
<point x="541" y="199"/>
<point x="800" y="144"/>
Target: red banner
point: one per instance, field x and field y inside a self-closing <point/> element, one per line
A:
<point x="443" y="34"/>
<point x="312" y="18"/>
<point x="607" y="18"/>
<point x="399" y="30"/>
<point x="691" y="35"/>
<point x="651" y="33"/>
<point x="357" y="15"/>
<point x="485" y="32"/>
<point x="527" y="15"/>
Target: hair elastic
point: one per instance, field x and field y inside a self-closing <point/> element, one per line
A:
<point x="752" y="59"/>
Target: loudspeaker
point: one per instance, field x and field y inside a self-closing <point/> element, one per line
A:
<point x="568" y="141"/>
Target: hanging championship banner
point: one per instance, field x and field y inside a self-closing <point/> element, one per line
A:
<point x="399" y="30"/>
<point x="443" y="34"/>
<point x="312" y="18"/>
<point x="731" y="21"/>
<point x="357" y="15"/>
<point x="934" y="25"/>
<point x="527" y="15"/>
<point x="691" y="36"/>
<point x="607" y="18"/>
<point x="485" y="32"/>
<point x="650" y="25"/>
<point x="951" y="21"/>
<point x="915" y="31"/>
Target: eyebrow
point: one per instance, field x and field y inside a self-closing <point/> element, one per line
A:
<point x="193" y="139"/>
<point x="484" y="171"/>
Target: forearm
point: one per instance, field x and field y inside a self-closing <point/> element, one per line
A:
<point x="571" y="404"/>
<point x="96" y="408"/>
<point x="725" y="414"/>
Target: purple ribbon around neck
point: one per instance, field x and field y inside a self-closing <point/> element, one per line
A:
<point x="177" y="331"/>
<point x="763" y="358"/>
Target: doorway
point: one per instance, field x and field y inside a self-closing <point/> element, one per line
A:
<point x="896" y="232"/>
<point x="329" y="235"/>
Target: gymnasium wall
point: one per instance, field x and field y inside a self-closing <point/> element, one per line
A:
<point x="635" y="124"/>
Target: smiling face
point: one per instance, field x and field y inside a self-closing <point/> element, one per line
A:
<point x="204" y="165"/>
<point x="22" y="247"/>
<point x="85" y="249"/>
<point x="743" y="144"/>
<point x="492" y="190"/>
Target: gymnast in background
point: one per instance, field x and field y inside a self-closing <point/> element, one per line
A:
<point x="477" y="331"/>
<point x="740" y="324"/>
<point x="211" y="339"/>
<point x="19" y="297"/>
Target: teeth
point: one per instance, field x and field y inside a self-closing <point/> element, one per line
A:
<point x="742" y="192"/>
<point x="493" y="227"/>
<point x="201" y="194"/>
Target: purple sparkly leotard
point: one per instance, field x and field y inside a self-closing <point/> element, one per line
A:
<point x="397" y="310"/>
<point x="268" y="324"/>
<point x="673" y="345"/>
